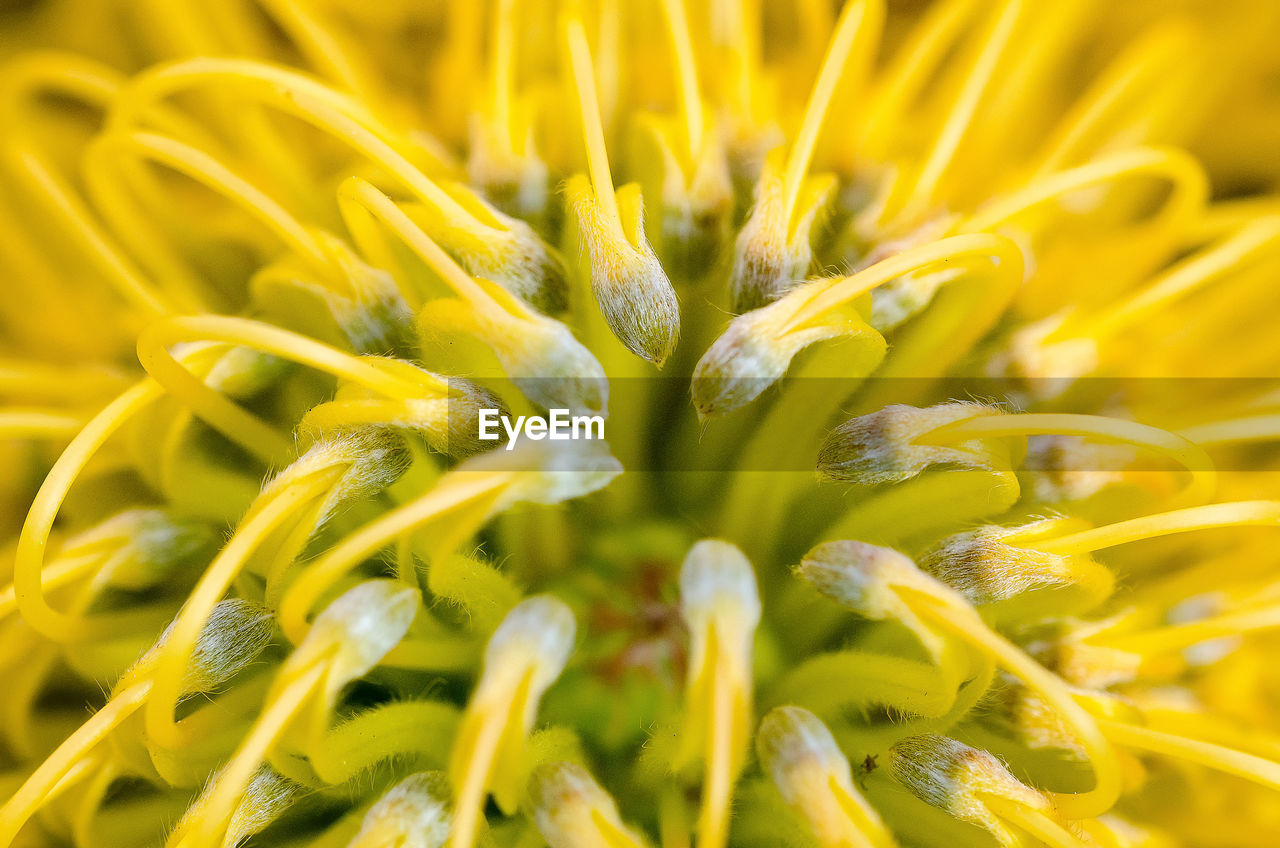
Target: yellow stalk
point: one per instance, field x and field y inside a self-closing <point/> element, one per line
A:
<point x="178" y="646"/>
<point x="1257" y="770"/>
<point x="60" y="764"/>
<point x="857" y="29"/>
<point x="1238" y="514"/>
<point x="961" y="113"/>
<point x="687" y="88"/>
<point x="592" y="127"/>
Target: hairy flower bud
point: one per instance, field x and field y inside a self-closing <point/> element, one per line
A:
<point x="629" y="283"/>
<point x="886" y="446"/>
<point x="149" y="545"/>
<point x="756" y="349"/>
<point x="961" y="780"/>
<point x="267" y="797"/>
<point x="498" y="247"/>
<point x="358" y="629"/>
<point x="772" y="252"/>
<point x="813" y="776"/>
<point x="412" y="814"/>
<point x="990" y="568"/>
<point x="861" y="577"/>
<point x="540" y="354"/>
<point x="572" y="811"/>
<point x="444" y="410"/>
<point x="524" y="657"/>
<point x="374" y="459"/>
<point x="233" y="636"/>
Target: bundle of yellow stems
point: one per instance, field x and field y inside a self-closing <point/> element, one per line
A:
<point x="924" y="353"/>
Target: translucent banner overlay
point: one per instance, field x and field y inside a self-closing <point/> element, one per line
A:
<point x="841" y="426"/>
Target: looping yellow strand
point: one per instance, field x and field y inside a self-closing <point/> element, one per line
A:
<point x="1259" y="239"/>
<point x="1235" y="431"/>
<point x="1257" y="770"/>
<point x="502" y="73"/>
<point x="259" y="438"/>
<point x="264" y="519"/>
<point x="96" y="86"/>
<point x="927" y="180"/>
<point x="61" y="201"/>
<point x="908" y="72"/>
<point x="1115" y="97"/>
<point x="1034" y="822"/>
<point x="206" y="828"/>
<point x="19" y="423"/>
<point x="211" y="173"/>
<point x="1203" y="477"/>
<point x="687" y="88"/>
<point x="959" y="619"/>
<point x="33" y="541"/>
<point x="330" y="111"/>
<point x="394" y="218"/>
<point x="831" y="294"/>
<point x="322" y="46"/>
<point x="1179" y="637"/>
<point x="1186" y="177"/>
<point x="466" y="495"/>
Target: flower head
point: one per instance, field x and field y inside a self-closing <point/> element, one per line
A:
<point x="946" y="496"/>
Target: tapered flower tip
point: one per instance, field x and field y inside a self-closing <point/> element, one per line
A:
<point x="537" y="634"/>
<point x="957" y="778"/>
<point x="233" y="636"/>
<point x="799" y="753"/>
<point x="1032" y="720"/>
<point x="532" y="269"/>
<point x="412" y="814"/>
<point x="361" y="626"/>
<point x="156" y="544"/>
<point x="571" y="810"/>
<point x="551" y="472"/>
<point x="772" y="251"/>
<point x="756" y="349"/>
<point x="813" y="776"/>
<point x="501" y="248"/>
<point x="628" y="280"/>
<point x="739" y="366"/>
<point x="374" y="317"/>
<point x="443" y="410"/>
<point x="886" y="446"/>
<point x="540" y="354"/>
<point x="717" y="576"/>
<point x="462" y="433"/>
<point x="859" y="576"/>
<point x="266" y="798"/>
<point x="557" y="372"/>
<point x="373" y="458"/>
<point x="989" y="566"/>
<point x="1087" y="665"/>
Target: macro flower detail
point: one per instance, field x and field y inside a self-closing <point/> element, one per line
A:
<point x="926" y="350"/>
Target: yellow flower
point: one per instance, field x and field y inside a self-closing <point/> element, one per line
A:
<point x="954" y="492"/>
